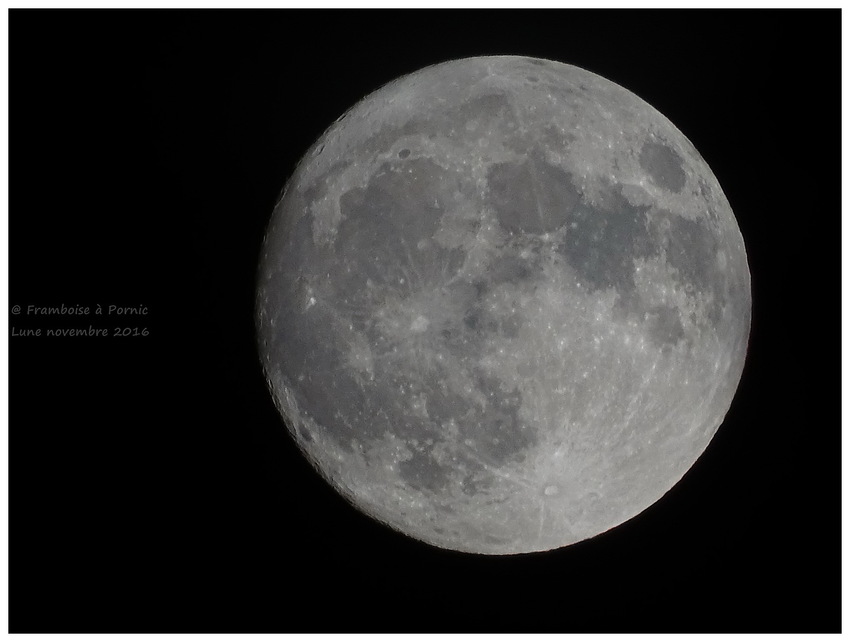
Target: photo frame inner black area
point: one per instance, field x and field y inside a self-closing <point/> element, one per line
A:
<point x="153" y="486"/>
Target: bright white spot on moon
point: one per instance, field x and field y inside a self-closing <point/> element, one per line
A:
<point x="419" y="324"/>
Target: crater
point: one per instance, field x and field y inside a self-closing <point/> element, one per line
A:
<point x="303" y="434"/>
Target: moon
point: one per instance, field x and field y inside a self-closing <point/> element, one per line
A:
<point x="503" y="305"/>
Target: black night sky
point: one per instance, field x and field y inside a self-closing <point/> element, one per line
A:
<point x="153" y="487"/>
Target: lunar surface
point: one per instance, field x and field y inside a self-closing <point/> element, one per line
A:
<point x="503" y="305"/>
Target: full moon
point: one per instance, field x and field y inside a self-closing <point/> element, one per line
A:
<point x="503" y="305"/>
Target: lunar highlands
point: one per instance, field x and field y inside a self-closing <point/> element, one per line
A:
<point x="503" y="305"/>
